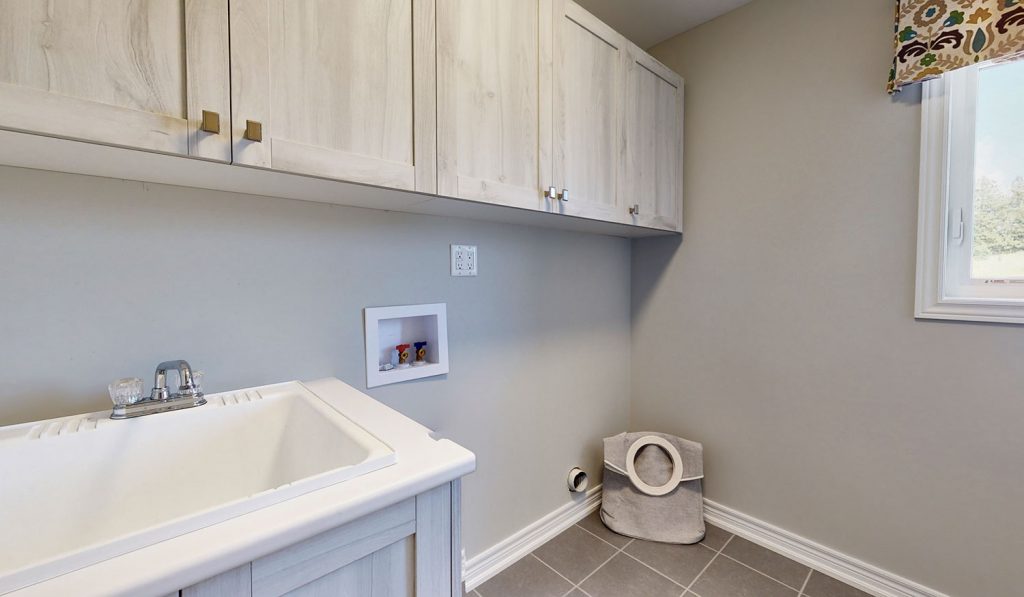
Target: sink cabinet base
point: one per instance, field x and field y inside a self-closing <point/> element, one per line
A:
<point x="409" y="549"/>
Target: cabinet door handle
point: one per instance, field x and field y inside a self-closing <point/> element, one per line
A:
<point x="564" y="195"/>
<point x="551" y="193"/>
<point x="634" y="210"/>
<point x="254" y="131"/>
<point x="210" y="122"/>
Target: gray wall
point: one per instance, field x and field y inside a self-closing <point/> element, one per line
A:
<point x="781" y="332"/>
<point x="104" y="278"/>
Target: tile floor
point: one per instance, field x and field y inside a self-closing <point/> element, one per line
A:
<point x="589" y="560"/>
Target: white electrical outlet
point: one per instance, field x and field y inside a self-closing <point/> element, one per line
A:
<point x="463" y="260"/>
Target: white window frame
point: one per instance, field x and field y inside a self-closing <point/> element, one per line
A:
<point x="945" y="289"/>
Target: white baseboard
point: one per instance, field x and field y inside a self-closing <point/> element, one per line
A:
<point x="489" y="563"/>
<point x="826" y="560"/>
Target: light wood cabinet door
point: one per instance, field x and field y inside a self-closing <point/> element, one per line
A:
<point x="408" y="549"/>
<point x="387" y="572"/>
<point x="494" y="100"/>
<point x="653" y="179"/>
<point x="590" y="61"/>
<point x="233" y="583"/>
<point x="342" y="90"/>
<point x="345" y="560"/>
<point x="119" y="72"/>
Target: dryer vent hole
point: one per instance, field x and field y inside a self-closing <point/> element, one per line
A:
<point x="578" y="480"/>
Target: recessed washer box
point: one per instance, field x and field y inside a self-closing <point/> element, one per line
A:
<point x="387" y="327"/>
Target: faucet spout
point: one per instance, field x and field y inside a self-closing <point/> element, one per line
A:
<point x="187" y="386"/>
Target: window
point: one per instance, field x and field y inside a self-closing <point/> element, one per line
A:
<point x="971" y="226"/>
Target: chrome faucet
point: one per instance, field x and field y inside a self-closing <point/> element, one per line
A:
<point x="160" y="399"/>
<point x="187" y="387"/>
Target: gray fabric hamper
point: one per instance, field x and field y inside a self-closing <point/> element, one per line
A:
<point x="652" y="487"/>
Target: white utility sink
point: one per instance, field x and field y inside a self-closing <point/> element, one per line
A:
<point x="78" y="490"/>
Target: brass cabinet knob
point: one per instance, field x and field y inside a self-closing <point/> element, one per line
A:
<point x="210" y="123"/>
<point x="634" y="210"/>
<point x="551" y="193"/>
<point x="564" y="196"/>
<point x="254" y="131"/>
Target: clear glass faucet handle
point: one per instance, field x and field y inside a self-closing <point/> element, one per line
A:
<point x="124" y="391"/>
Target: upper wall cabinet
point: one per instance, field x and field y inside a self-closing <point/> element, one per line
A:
<point x="119" y="72"/>
<point x="653" y="156"/>
<point x="534" y="104"/>
<point x="590" y="62"/>
<point x="341" y="90"/>
<point x="540" y="94"/>
<point x="494" y="100"/>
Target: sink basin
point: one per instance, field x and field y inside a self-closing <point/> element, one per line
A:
<point x="82" y="489"/>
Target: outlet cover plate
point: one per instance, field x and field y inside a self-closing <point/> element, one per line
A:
<point x="464" y="260"/>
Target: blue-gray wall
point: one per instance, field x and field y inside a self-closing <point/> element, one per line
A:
<point x="101" y="279"/>
<point x="781" y="334"/>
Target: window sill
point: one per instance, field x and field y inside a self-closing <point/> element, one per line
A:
<point x="969" y="310"/>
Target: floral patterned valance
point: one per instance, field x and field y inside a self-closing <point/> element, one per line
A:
<point x="937" y="36"/>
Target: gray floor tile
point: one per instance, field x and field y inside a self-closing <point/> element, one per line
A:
<point x="715" y="537"/>
<point x="774" y="565"/>
<point x="821" y="585"/>
<point x="575" y="553"/>
<point x="526" y="578"/>
<point x="576" y="593"/>
<point x="593" y="524"/>
<point x="726" y="578"/>
<point x="681" y="563"/>
<point x="625" y="577"/>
